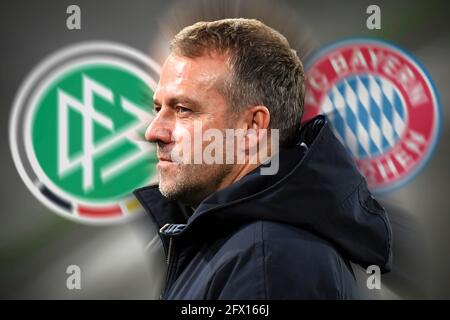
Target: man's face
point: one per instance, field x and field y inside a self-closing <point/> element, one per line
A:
<point x="188" y="95"/>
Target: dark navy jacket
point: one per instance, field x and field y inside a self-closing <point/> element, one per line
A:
<point x="284" y="236"/>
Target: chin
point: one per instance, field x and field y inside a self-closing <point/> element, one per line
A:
<point x="166" y="191"/>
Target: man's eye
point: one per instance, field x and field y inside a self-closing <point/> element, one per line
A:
<point x="181" y="109"/>
<point x="156" y="109"/>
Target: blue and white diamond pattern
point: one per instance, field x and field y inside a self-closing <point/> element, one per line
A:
<point x="367" y="114"/>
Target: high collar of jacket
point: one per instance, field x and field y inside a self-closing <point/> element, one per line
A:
<point x="317" y="188"/>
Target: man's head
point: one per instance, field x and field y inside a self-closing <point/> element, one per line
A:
<point x="226" y="74"/>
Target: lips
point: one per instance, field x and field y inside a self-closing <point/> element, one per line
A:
<point x="164" y="155"/>
<point x="164" y="161"/>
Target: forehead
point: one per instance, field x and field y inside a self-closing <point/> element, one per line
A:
<point x="182" y="74"/>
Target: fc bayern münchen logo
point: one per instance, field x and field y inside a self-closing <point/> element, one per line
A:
<point x="382" y="105"/>
<point x="76" y="131"/>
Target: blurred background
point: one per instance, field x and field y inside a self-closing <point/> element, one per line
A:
<point x="126" y="261"/>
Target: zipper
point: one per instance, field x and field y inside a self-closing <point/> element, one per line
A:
<point x="170" y="266"/>
<point x="169" y="251"/>
<point x="170" y="261"/>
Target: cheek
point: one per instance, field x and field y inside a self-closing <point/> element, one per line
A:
<point x="190" y="140"/>
<point x="182" y="133"/>
<point x="184" y="136"/>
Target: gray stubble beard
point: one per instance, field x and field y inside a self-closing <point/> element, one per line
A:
<point x="194" y="182"/>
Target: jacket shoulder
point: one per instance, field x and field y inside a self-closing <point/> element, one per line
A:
<point x="269" y="260"/>
<point x="304" y="265"/>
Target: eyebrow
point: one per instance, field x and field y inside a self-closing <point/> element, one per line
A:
<point x="176" y="100"/>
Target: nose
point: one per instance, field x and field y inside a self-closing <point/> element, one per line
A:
<point x="159" y="130"/>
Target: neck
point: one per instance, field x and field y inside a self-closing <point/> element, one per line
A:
<point x="236" y="174"/>
<point x="240" y="170"/>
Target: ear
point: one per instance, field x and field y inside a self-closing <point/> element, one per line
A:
<point x="257" y="117"/>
